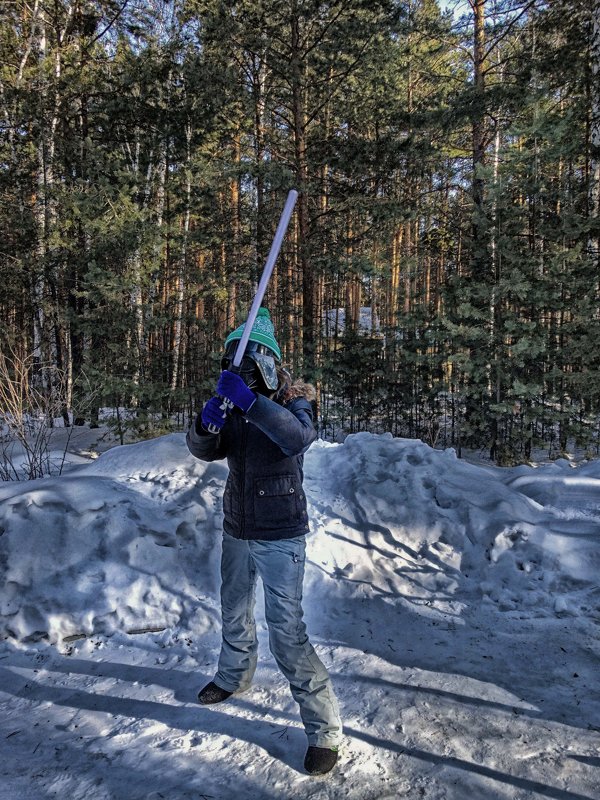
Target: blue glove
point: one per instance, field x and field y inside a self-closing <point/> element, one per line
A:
<point x="213" y="415"/>
<point x="233" y="388"/>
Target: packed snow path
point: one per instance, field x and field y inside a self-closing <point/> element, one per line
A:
<point x="457" y="608"/>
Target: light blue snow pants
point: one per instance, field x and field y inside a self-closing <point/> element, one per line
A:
<point x="280" y="565"/>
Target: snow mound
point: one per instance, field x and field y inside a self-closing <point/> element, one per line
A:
<point x="99" y="550"/>
<point x="424" y="527"/>
<point x="130" y="541"/>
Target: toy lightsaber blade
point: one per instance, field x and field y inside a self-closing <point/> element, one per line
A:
<point x="267" y="272"/>
<point x="262" y="288"/>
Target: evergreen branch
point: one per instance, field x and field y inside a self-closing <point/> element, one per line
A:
<point x="460" y="47"/>
<point x="29" y="47"/>
<point x="508" y="28"/>
<point x="342" y="75"/>
<point x="282" y="116"/>
<point x="107" y="27"/>
<point x="307" y="50"/>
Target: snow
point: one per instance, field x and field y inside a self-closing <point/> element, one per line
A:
<point x="334" y="321"/>
<point x="456" y="606"/>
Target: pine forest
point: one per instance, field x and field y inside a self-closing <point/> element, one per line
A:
<point x="440" y="278"/>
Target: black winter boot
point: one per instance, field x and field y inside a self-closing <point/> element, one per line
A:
<point x="319" y="760"/>
<point x="212" y="694"/>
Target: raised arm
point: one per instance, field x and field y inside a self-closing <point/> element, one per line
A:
<point x="290" y="427"/>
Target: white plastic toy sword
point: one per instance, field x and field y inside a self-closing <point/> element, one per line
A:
<point x="262" y="288"/>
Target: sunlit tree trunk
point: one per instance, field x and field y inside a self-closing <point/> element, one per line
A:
<point x="259" y="76"/>
<point x="182" y="264"/>
<point x="594" y="178"/>
<point x="479" y="133"/>
<point x="53" y="27"/>
<point x="232" y="282"/>
<point x="298" y="81"/>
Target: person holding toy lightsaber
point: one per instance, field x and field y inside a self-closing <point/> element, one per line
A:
<point x="261" y="421"/>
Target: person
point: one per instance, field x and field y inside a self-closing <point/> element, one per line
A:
<point x="261" y="421"/>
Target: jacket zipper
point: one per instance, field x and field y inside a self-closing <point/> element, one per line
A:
<point x="243" y="479"/>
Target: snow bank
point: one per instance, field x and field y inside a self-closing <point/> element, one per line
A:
<point x="449" y="532"/>
<point x="130" y="541"/>
<point x="104" y="547"/>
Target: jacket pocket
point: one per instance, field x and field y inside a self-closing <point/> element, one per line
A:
<point x="277" y="502"/>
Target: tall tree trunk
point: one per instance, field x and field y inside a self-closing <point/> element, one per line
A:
<point x="350" y="318"/>
<point x="44" y="278"/>
<point x="232" y="280"/>
<point x="394" y="300"/>
<point x="139" y="346"/>
<point x="479" y="138"/>
<point x="408" y="266"/>
<point x="258" y="92"/>
<point x="182" y="262"/>
<point x="594" y="179"/>
<point x="309" y="323"/>
<point x="480" y="273"/>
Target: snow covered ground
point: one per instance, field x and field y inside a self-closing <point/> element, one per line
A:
<point x="457" y="607"/>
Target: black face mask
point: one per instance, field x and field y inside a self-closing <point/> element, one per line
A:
<point x="258" y="369"/>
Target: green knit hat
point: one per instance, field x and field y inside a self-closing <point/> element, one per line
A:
<point x="263" y="332"/>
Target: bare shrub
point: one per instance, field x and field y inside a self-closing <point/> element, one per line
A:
<point x="27" y="415"/>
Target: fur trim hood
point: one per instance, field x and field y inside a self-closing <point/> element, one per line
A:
<point x="290" y="389"/>
<point x="299" y="389"/>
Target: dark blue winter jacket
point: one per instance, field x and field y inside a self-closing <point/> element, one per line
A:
<point x="263" y="498"/>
